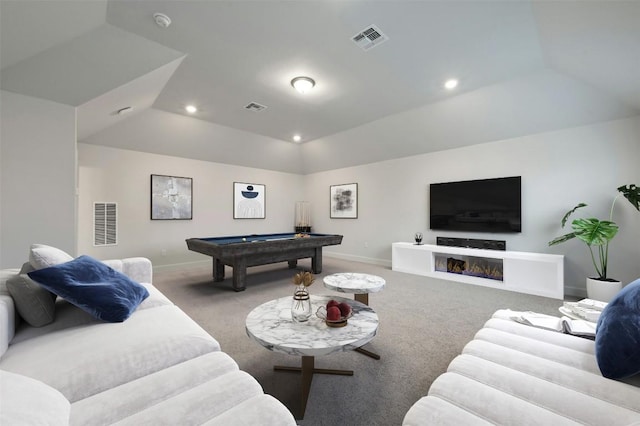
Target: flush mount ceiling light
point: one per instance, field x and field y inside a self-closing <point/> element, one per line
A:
<point x="297" y="138"/>
<point x="303" y="84"/>
<point x="162" y="20"/>
<point x="191" y="109"/>
<point x="451" y="84"/>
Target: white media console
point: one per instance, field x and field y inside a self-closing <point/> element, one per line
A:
<point x="531" y="273"/>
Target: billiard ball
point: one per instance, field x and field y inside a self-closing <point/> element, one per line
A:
<point x="244" y="239"/>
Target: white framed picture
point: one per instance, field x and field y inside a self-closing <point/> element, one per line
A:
<point x="344" y="201"/>
<point x="248" y="201"/>
<point x="171" y="198"/>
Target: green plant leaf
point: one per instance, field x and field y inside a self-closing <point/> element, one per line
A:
<point x="562" y="239"/>
<point x="593" y="231"/>
<point x="632" y="193"/>
<point x="566" y="216"/>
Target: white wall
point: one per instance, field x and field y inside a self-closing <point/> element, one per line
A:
<point x="558" y="169"/>
<point x="123" y="176"/>
<point x="536" y="103"/>
<point x="38" y="180"/>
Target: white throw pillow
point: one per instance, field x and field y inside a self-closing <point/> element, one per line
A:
<point x="43" y="256"/>
<point x="26" y="401"/>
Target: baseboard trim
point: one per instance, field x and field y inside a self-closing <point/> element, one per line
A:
<point x="341" y="256"/>
<point x="179" y="265"/>
<point x="353" y="258"/>
<point x="580" y="292"/>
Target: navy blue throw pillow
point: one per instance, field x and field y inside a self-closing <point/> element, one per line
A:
<point x="94" y="287"/>
<point x="618" y="334"/>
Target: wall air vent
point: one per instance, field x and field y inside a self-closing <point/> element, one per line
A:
<point x="105" y="224"/>
<point x="369" y="37"/>
<point x="255" y="107"/>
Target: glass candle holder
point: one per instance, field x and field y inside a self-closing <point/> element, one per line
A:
<point x="301" y="305"/>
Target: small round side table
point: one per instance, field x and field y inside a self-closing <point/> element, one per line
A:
<point x="358" y="284"/>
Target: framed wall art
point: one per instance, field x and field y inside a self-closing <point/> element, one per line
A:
<point x="344" y="201"/>
<point x="171" y="198"/>
<point x="248" y="201"/>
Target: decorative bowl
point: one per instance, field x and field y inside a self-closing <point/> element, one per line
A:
<point x="322" y="314"/>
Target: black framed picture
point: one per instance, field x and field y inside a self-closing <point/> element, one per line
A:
<point x="344" y="201"/>
<point x="171" y="198"/>
<point x="249" y="200"/>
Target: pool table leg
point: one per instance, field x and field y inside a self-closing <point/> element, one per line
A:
<point x="316" y="261"/>
<point x="218" y="270"/>
<point x="239" y="274"/>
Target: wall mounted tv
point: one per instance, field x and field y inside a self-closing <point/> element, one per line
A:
<point x="485" y="205"/>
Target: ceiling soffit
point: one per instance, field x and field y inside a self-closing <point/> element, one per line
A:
<point x="87" y="66"/>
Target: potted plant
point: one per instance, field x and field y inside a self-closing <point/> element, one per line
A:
<point x="598" y="233"/>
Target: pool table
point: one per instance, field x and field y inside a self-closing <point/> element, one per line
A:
<point x="242" y="251"/>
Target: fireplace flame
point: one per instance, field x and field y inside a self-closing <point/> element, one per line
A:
<point x="474" y="266"/>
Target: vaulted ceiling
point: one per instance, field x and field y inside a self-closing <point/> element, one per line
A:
<point x="101" y="56"/>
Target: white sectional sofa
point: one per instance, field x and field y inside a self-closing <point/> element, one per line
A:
<point x="513" y="374"/>
<point x="158" y="367"/>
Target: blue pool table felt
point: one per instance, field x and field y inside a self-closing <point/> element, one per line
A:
<point x="256" y="238"/>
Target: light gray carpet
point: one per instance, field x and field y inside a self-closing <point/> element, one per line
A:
<point x="424" y="324"/>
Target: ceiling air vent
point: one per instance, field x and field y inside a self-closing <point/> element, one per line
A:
<point x="255" y="107"/>
<point x="369" y="37"/>
<point x="105" y="224"/>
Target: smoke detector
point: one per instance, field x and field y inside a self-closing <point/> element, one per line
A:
<point x="162" y="20"/>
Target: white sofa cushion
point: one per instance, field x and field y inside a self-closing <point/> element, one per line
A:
<point x="197" y="404"/>
<point x="43" y="256"/>
<point x="137" y="268"/>
<point x="515" y="374"/>
<point x="437" y="411"/>
<point x="260" y="410"/>
<point x="90" y="358"/>
<point x="209" y="389"/>
<point x="9" y="318"/>
<point x="26" y="401"/>
<point x="68" y="316"/>
<point x="493" y="405"/>
<point x="581" y="397"/>
<point x="109" y="407"/>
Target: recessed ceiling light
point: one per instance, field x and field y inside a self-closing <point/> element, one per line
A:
<point x="297" y="138"/>
<point x="303" y="84"/>
<point x="451" y="84"/>
<point x="191" y="109"/>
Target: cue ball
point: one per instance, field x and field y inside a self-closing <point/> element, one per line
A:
<point x="244" y="239"/>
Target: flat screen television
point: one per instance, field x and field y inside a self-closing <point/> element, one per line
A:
<point x="485" y="205"/>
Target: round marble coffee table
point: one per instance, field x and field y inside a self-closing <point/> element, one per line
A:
<point x="358" y="284"/>
<point x="270" y="325"/>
